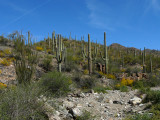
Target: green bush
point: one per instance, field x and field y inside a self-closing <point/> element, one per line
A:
<point x="55" y="84"/>
<point x="153" y="96"/>
<point x="100" y="89"/>
<point x="85" y="82"/>
<point x="46" y="64"/>
<point x="85" y="116"/>
<point x="123" y="88"/>
<point x="140" y="117"/>
<point x="21" y="103"/>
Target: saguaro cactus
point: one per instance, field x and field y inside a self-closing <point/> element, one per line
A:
<point x="49" y="44"/>
<point x="135" y="53"/>
<point x="56" y="41"/>
<point x="60" y="54"/>
<point x="105" y="58"/>
<point x="143" y="62"/>
<point x="29" y="38"/>
<point x="53" y="38"/>
<point x="151" y="64"/>
<point x="89" y="57"/>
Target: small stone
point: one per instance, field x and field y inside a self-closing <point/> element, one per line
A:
<point x="110" y="101"/>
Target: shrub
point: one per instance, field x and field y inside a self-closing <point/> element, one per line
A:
<point x="138" y="84"/>
<point x="123" y="88"/>
<point x="55" y="84"/>
<point x="100" y="89"/>
<point x="87" y="83"/>
<point x="2" y="54"/>
<point x="21" y="103"/>
<point x="145" y="116"/>
<point x="85" y="116"/>
<point x="86" y="72"/>
<point x="75" y="59"/>
<point x="49" y="51"/>
<point x="38" y="48"/>
<point x="2" y="85"/>
<point x="126" y="82"/>
<point x="7" y="52"/>
<point x="47" y="63"/>
<point x="5" y="62"/>
<point x="109" y="76"/>
<point x="153" y="96"/>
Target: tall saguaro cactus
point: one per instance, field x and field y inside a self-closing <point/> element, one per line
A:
<point x="143" y="62"/>
<point x="151" y="64"/>
<point x="49" y="44"/>
<point x="60" y="54"/>
<point x="53" y="37"/>
<point x="29" y="38"/>
<point x="89" y="57"/>
<point x="105" y="58"/>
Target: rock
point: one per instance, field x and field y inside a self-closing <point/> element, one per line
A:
<point x="68" y="104"/>
<point x="82" y="95"/>
<point x="135" y="100"/>
<point x="69" y="116"/>
<point x="75" y="112"/>
<point x="141" y="105"/>
<point x="54" y="117"/>
<point x="110" y="101"/>
<point x="110" y="119"/>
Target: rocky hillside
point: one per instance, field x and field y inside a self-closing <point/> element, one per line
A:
<point x="56" y="83"/>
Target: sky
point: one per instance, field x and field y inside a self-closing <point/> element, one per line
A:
<point x="132" y="23"/>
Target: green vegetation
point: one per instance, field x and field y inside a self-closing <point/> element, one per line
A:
<point x="83" y="63"/>
<point x="55" y="84"/>
<point x="21" y="103"/>
<point x="85" y="116"/>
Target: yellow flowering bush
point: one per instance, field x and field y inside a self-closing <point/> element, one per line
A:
<point x="49" y="50"/>
<point x="38" y="48"/>
<point x="7" y="52"/>
<point x="117" y="86"/>
<point x="5" y="62"/>
<point x="123" y="70"/>
<point x="2" y="85"/>
<point x="86" y="72"/>
<point x="109" y="76"/>
<point x="75" y="59"/>
<point x="2" y="54"/>
<point x="126" y="82"/>
<point x="101" y="73"/>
